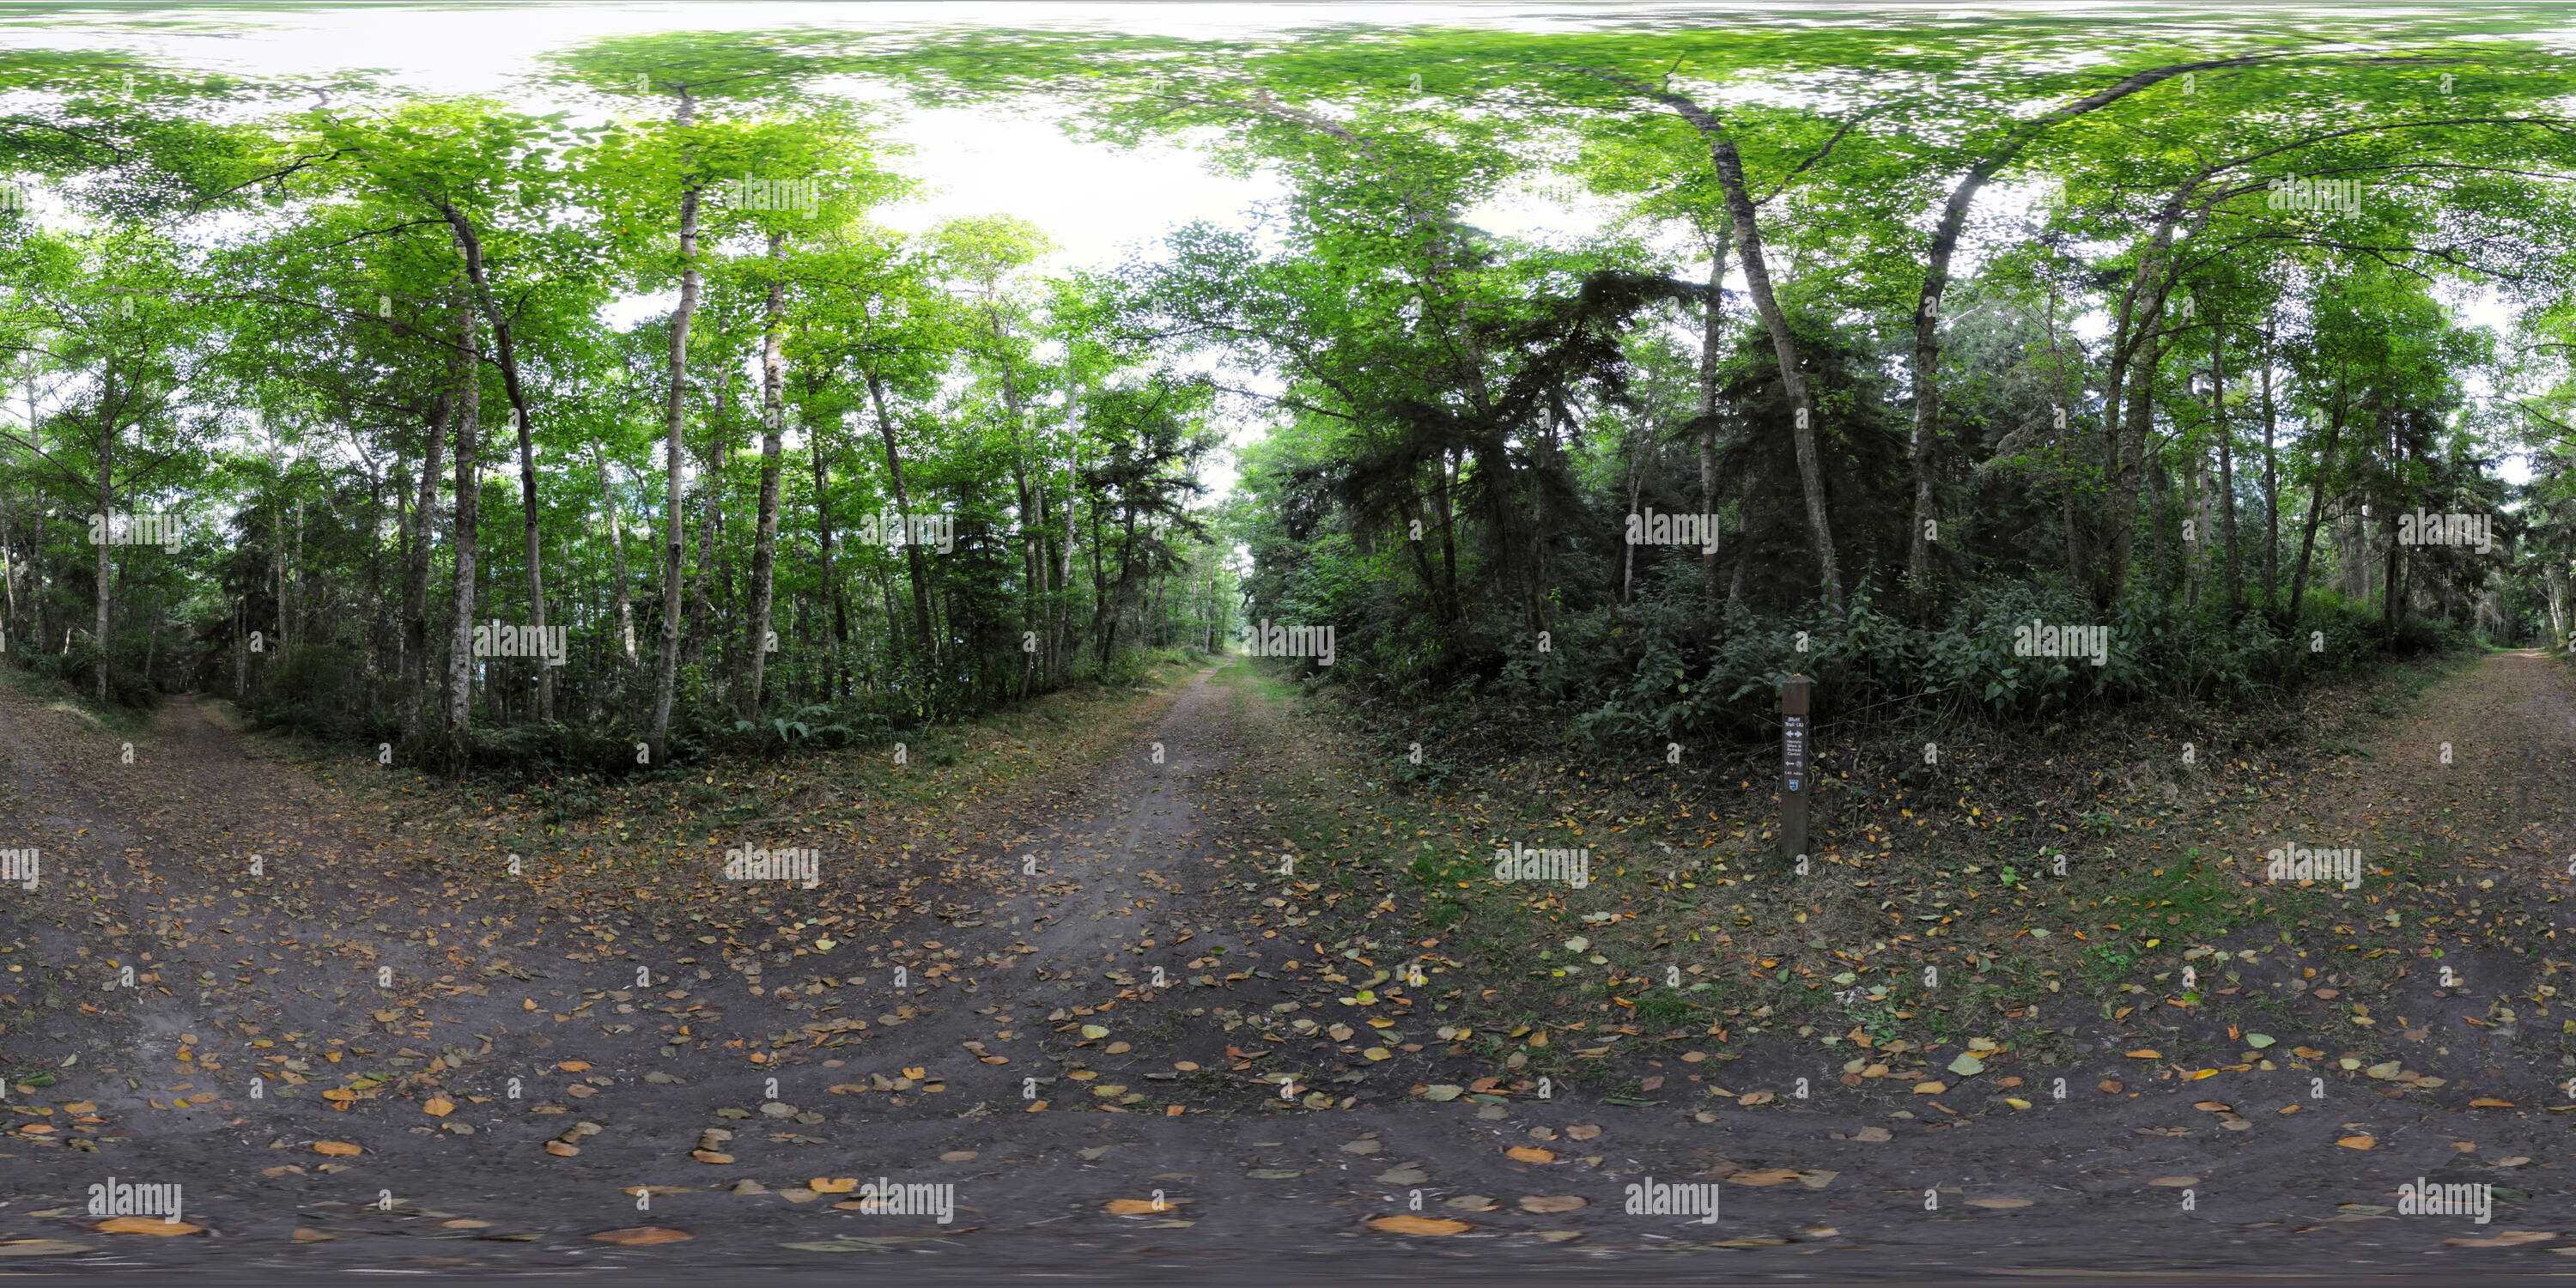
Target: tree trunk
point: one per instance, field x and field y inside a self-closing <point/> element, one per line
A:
<point x="773" y="410"/>
<point x="460" y="643"/>
<point x="832" y="680"/>
<point x="1712" y="335"/>
<point x="2271" y="489"/>
<point x="617" y="549"/>
<point x="666" y="677"/>
<point x="416" y="665"/>
<point x="106" y="447"/>
<point x="915" y="563"/>
<point x="505" y="347"/>
<point x="2226" y="468"/>
<point x="2316" y="507"/>
<point x="1757" y="279"/>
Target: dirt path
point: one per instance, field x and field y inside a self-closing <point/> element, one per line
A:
<point x="1128" y="856"/>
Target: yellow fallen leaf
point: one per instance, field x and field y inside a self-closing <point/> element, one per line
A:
<point x="2358" y="1142"/>
<point x="152" y="1225"/>
<point x="574" y="1066"/>
<point x="2016" y="1102"/>
<point x="561" y="1150"/>
<point x="2503" y="1239"/>
<point x="1999" y="1203"/>
<point x="1550" y="1202"/>
<point x="641" y="1236"/>
<point x="1929" y="1088"/>
<point x="833" y="1185"/>
<point x="2490" y="1102"/>
<point x="1141" y="1207"/>
<point x="438" y="1106"/>
<point x="1774" y="1176"/>
<point x="1422" y="1225"/>
<point x="2146" y="1053"/>
<point x="1531" y="1154"/>
<point x="340" y="1147"/>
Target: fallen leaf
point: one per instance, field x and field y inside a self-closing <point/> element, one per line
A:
<point x="438" y="1106"/>
<point x="1583" y="1131"/>
<point x="2146" y="1053"/>
<point x="339" y="1147"/>
<point x="307" y="1234"/>
<point x="2490" y="1102"/>
<point x="1558" y="1236"/>
<point x="145" y="1224"/>
<point x="833" y="1185"/>
<point x="40" y="1248"/>
<point x="151" y="1225"/>
<point x="1531" y="1154"/>
<point x="1550" y="1202"/>
<point x="1999" y="1203"/>
<point x="2175" y="1182"/>
<point x="642" y="1236"/>
<point x="1966" y="1065"/>
<point x="561" y="1150"/>
<point x="2110" y="1086"/>
<point x="1422" y="1225"/>
<point x="1774" y="1176"/>
<point x="1470" y="1203"/>
<point x="1752" y="1098"/>
<point x="2503" y="1239"/>
<point x="1929" y="1088"/>
<point x="2358" y="1142"/>
<point x="1873" y="1134"/>
<point x="1442" y="1091"/>
<point x="1140" y="1207"/>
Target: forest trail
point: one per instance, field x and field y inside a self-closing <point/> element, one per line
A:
<point x="1130" y="857"/>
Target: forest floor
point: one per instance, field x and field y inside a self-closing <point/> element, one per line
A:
<point x="1063" y="961"/>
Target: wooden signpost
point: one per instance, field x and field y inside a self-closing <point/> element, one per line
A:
<point x="1795" y="756"/>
